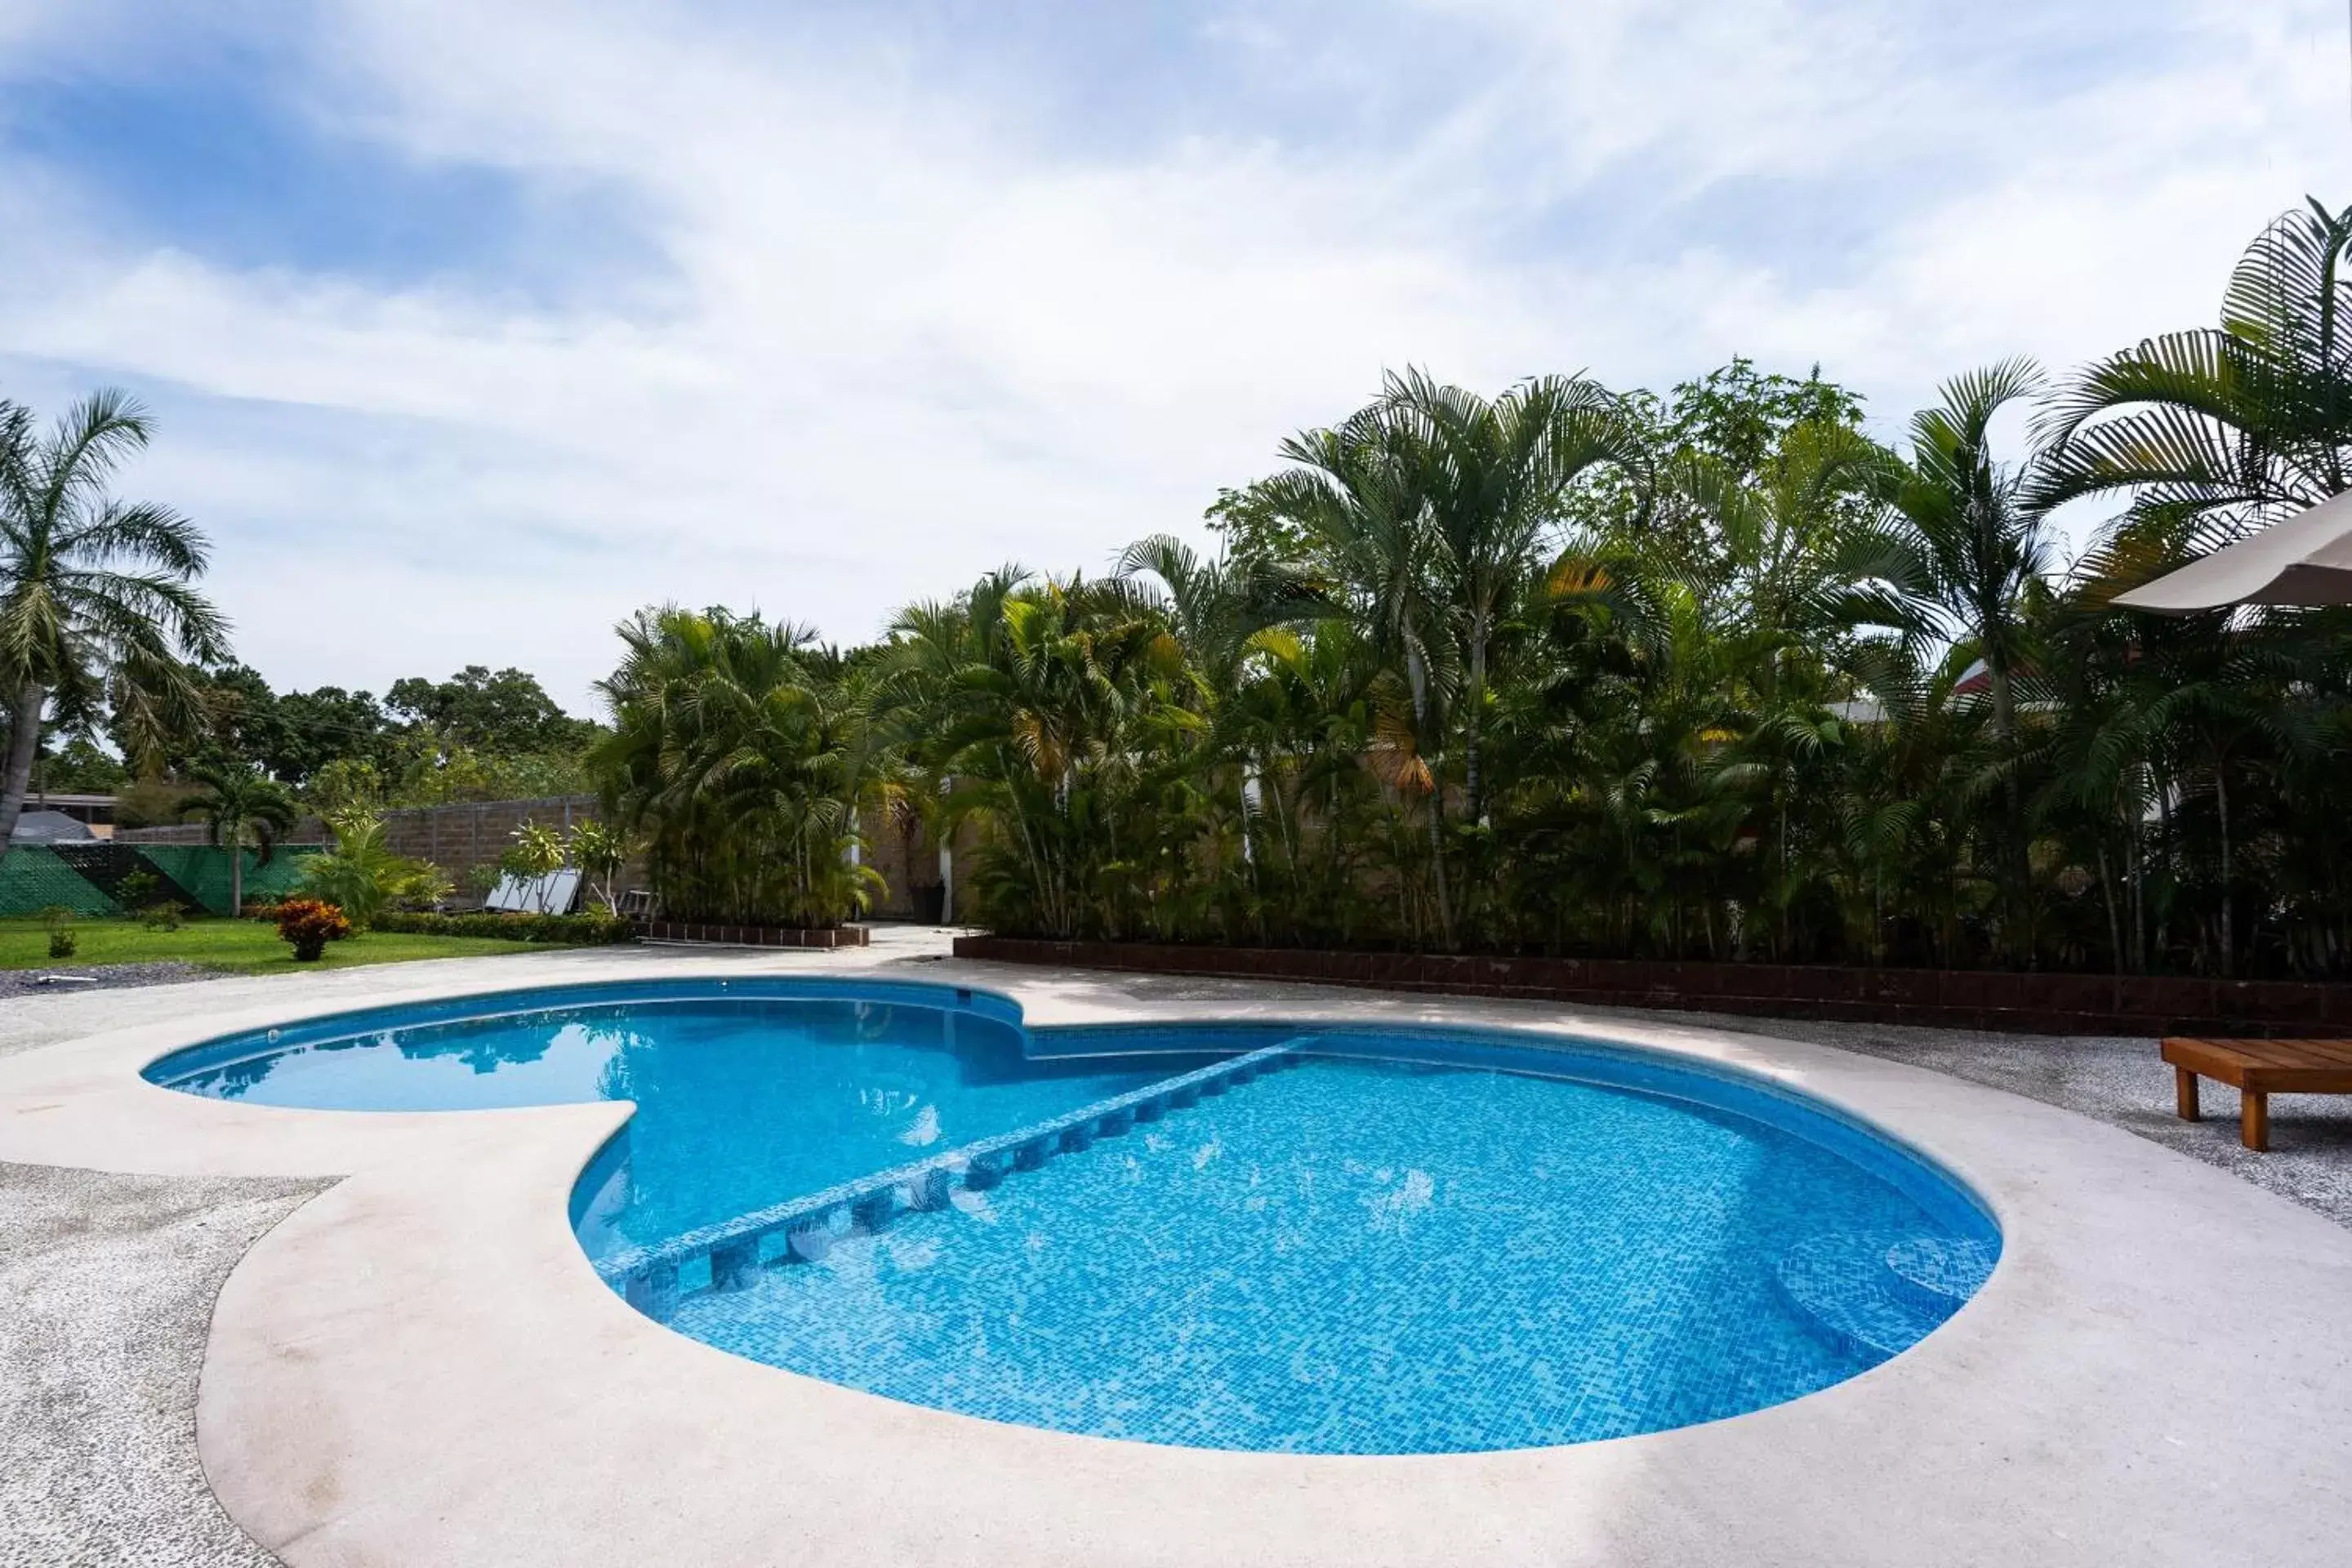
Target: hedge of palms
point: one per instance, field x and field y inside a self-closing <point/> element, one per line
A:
<point x="1714" y="674"/>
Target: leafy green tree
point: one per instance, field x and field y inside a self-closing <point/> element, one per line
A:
<point x="99" y="611"/>
<point x="1741" y="417"/>
<point x="318" y="728"/>
<point x="499" y="714"/>
<point x="231" y="720"/>
<point x="78" y="766"/>
<point x="345" y="784"/>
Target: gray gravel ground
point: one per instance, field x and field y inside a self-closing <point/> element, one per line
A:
<point x="104" y="977"/>
<point x="106" y="1296"/>
<point x="2119" y="1080"/>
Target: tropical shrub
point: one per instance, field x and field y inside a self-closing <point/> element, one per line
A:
<point x="138" y="891"/>
<point x="599" y="853"/>
<point x="310" y="924"/>
<point x="363" y="877"/>
<point x="58" y="920"/>
<point x="164" y="914"/>
<point x="535" y="851"/>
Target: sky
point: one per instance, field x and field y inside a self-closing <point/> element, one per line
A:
<point x="470" y="329"/>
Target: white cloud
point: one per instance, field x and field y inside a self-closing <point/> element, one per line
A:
<point x="916" y="324"/>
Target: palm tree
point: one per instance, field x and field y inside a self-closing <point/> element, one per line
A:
<point x="1495" y="474"/>
<point x="740" y="760"/>
<point x="2219" y="431"/>
<point x="1427" y="512"/>
<point x="97" y="606"/>
<point x="2212" y="434"/>
<point x="1358" y="494"/>
<point x="238" y="802"/>
<point x="1976" y="544"/>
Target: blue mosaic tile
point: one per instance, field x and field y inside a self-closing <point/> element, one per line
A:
<point x="1938" y="1273"/>
<point x="1362" y="1257"/>
<point x="1839" y="1287"/>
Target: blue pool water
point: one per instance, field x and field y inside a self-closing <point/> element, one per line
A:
<point x="1402" y="1244"/>
<point x="741" y="1096"/>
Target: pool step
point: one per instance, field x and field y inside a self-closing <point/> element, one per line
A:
<point x="803" y="1229"/>
<point x="1939" y="1273"/>
<point x="1877" y="1296"/>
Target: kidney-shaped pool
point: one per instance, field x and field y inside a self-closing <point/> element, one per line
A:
<point x="1300" y="1238"/>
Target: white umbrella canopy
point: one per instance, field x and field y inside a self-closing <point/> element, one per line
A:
<point x="2306" y="560"/>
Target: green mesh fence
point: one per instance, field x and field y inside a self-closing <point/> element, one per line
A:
<point x="32" y="877"/>
<point x="281" y="876"/>
<point x="203" y="870"/>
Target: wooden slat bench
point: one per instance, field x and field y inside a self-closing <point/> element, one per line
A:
<point x="2258" y="1069"/>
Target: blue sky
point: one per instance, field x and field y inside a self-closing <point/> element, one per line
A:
<point x="472" y="328"/>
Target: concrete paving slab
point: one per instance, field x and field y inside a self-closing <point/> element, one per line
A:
<point x="419" y="1367"/>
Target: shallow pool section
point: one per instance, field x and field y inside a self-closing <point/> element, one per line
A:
<point x="743" y="1094"/>
<point x="1291" y="1238"/>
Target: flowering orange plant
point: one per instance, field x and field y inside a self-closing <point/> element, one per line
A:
<point x="310" y="924"/>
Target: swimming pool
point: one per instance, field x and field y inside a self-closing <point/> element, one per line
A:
<point x="1275" y="1237"/>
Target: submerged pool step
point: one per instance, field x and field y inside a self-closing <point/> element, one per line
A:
<point x="1939" y="1273"/>
<point x="1878" y="1296"/>
<point x="808" y="1226"/>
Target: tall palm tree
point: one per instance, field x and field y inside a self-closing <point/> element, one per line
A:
<point x="1429" y="510"/>
<point x="1977" y="542"/>
<point x="1359" y="495"/>
<point x="740" y="760"/>
<point x="1495" y="474"/>
<point x="96" y="603"/>
<point x="238" y="802"/>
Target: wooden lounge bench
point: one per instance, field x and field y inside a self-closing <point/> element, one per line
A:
<point x="2258" y="1069"/>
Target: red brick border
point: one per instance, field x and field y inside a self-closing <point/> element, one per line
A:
<point x="750" y="936"/>
<point x="2025" y="1003"/>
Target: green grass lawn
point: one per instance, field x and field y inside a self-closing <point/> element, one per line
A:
<point x="240" y="947"/>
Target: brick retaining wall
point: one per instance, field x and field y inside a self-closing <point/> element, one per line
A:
<point x="750" y="936"/>
<point x="2025" y="1003"/>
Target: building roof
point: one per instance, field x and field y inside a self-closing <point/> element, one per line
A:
<point x="49" y="827"/>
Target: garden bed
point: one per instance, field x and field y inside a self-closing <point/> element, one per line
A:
<point x="1973" y="999"/>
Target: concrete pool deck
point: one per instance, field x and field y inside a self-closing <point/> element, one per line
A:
<point x="419" y="1367"/>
